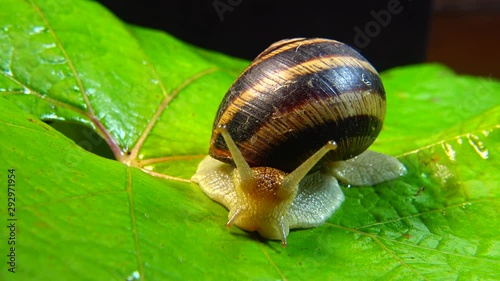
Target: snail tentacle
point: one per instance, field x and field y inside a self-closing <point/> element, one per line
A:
<point x="268" y="162"/>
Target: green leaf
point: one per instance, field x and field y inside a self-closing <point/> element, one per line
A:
<point x="152" y="99"/>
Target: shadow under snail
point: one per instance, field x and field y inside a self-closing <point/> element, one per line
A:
<point x="295" y="122"/>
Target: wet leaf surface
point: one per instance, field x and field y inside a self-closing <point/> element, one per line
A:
<point x="152" y="99"/>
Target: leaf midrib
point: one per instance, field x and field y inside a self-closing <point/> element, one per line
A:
<point x="131" y="158"/>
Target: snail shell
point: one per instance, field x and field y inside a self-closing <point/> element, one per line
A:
<point x="297" y="95"/>
<point x="301" y="102"/>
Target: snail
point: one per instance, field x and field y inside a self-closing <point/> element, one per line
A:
<point x="297" y="121"/>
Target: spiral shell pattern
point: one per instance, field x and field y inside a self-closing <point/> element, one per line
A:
<point x="294" y="97"/>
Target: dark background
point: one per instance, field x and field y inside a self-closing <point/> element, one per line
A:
<point x="463" y="34"/>
<point x="244" y="28"/>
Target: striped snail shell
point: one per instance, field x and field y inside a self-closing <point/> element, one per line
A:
<point x="296" y="121"/>
<point x="297" y="95"/>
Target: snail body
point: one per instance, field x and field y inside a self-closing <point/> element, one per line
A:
<point x="297" y="119"/>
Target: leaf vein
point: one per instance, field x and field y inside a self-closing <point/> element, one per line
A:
<point x="382" y="245"/>
<point x="425" y="213"/>
<point x="149" y="161"/>
<point x="444" y="141"/>
<point x="396" y="257"/>
<point x="30" y="91"/>
<point x="109" y="139"/>
<point x="159" y="175"/>
<point x="131" y="159"/>
<point x="66" y="56"/>
<point x="271" y="261"/>
<point x="436" y="250"/>
<point x="134" y="224"/>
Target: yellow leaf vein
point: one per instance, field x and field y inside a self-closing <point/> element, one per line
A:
<point x="134" y="224"/>
<point x="283" y="278"/>
<point x="425" y="213"/>
<point x="132" y="158"/>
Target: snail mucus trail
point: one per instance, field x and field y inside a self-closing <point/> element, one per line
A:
<point x="295" y="122"/>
